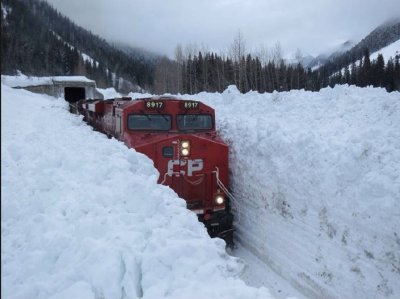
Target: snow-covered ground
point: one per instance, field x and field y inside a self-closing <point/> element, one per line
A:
<point x="257" y="273"/>
<point x="316" y="176"/>
<point x="83" y="217"/>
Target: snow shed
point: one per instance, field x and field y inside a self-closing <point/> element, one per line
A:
<point x="71" y="88"/>
<point x="73" y="94"/>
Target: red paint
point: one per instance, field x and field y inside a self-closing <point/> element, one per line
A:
<point x="191" y="179"/>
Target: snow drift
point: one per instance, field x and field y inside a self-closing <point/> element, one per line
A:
<point x="317" y="182"/>
<point x="83" y="216"/>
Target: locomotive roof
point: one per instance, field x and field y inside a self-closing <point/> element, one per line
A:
<point x="125" y="102"/>
<point x="163" y="97"/>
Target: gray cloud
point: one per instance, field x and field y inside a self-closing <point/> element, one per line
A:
<point x="159" y="25"/>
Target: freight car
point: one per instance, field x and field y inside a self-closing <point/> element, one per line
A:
<point x="180" y="137"/>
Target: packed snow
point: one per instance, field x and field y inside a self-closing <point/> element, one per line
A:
<point x="84" y="217"/>
<point x="316" y="176"/>
<point x="316" y="180"/>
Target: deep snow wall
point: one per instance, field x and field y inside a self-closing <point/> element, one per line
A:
<point x="84" y="217"/>
<point x="316" y="177"/>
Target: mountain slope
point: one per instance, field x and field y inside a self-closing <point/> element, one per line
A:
<point x="380" y="37"/>
<point x="38" y="40"/>
<point x="330" y="54"/>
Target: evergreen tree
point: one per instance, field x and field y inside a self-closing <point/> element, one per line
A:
<point x="389" y="76"/>
<point x="378" y="71"/>
<point x="353" y="74"/>
<point x="366" y="70"/>
<point x="396" y="72"/>
<point x="347" y="76"/>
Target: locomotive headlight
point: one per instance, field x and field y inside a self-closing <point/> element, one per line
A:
<point x="185" y="152"/>
<point x="185" y="148"/>
<point x="219" y="199"/>
<point x="185" y="144"/>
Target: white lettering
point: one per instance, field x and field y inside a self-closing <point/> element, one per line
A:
<point x="194" y="165"/>
<point x="171" y="164"/>
<point x="191" y="165"/>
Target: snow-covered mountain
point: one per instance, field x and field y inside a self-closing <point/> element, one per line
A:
<point x="379" y="38"/>
<point x="389" y="52"/>
<point x="57" y="46"/>
<point x="304" y="59"/>
<point x="309" y="61"/>
<point x="330" y="54"/>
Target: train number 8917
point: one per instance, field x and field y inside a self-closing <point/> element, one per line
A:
<point x="191" y="105"/>
<point x="154" y="105"/>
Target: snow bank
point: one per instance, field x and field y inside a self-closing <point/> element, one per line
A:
<point x="83" y="217"/>
<point x="317" y="182"/>
<point x="316" y="177"/>
<point x="109" y="93"/>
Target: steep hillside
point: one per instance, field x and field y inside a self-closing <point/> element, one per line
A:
<point x="330" y="54"/>
<point x="37" y="40"/>
<point x="379" y="38"/>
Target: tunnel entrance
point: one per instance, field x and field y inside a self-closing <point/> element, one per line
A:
<point x="74" y="94"/>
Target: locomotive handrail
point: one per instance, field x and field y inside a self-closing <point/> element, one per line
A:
<point x="219" y="183"/>
<point x="170" y="175"/>
<point x="167" y="174"/>
<point x="226" y="191"/>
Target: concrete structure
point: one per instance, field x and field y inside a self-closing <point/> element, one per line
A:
<point x="71" y="88"/>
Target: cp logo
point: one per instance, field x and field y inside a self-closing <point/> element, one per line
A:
<point x="191" y="165"/>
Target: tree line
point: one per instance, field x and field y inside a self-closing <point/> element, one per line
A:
<point x="366" y="72"/>
<point x="212" y="72"/>
<point x="208" y="71"/>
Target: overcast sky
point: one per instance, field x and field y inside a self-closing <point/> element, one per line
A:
<point x="313" y="26"/>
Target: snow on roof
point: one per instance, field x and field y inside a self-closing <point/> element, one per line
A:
<point x="25" y="81"/>
<point x="71" y="79"/>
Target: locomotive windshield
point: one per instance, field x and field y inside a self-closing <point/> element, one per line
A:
<point x="194" y="122"/>
<point x="153" y="122"/>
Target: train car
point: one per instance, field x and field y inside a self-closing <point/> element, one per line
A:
<point x="180" y="137"/>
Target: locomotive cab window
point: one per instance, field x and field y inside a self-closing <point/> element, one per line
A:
<point x="194" y="122"/>
<point x="151" y="122"/>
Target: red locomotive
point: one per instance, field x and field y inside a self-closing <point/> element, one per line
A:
<point x="180" y="137"/>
